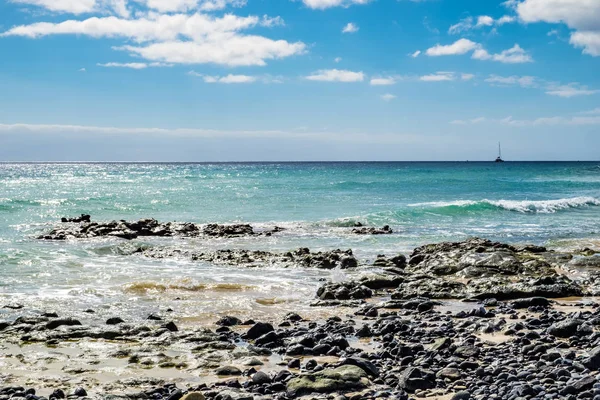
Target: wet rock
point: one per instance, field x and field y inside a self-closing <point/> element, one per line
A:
<point x="386" y="230"/>
<point x="344" y="378"/>
<point x="82" y="218"/>
<point x="58" y="322"/>
<point x="414" y="378"/>
<point x="194" y="396"/>
<point x="259" y="329"/>
<point x="228" y="371"/>
<point x="229" y="321"/>
<point x="228" y="230"/>
<point x="114" y="321"/>
<point x="566" y="329"/>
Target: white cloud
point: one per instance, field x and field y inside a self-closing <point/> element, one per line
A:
<point x="323" y="4"/>
<point x="523" y="81"/>
<point x="588" y="40"/>
<point x="166" y="6"/>
<point x="514" y="55"/>
<point x="337" y="60"/>
<point x="570" y="90"/>
<point x="336" y="75"/>
<point x="415" y="54"/>
<point x="463" y="25"/>
<point x="124" y="65"/>
<point x="484" y="20"/>
<point x="350" y="28"/>
<point x="178" y="38"/>
<point x="581" y="15"/>
<point x="469" y="23"/>
<point x="438" y="77"/>
<point x="595" y="111"/>
<point x="551" y="88"/>
<point x="230" y="79"/>
<point x="507" y="19"/>
<point x="387" y="97"/>
<point x="68" y="6"/>
<point x="467" y="77"/>
<point x="461" y="46"/>
<point x="543" y="121"/>
<point x="81" y="70"/>
<point x="304" y="134"/>
<point x="383" y="81"/>
<point x="132" y="65"/>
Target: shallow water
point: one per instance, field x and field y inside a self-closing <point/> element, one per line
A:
<point x="556" y="204"/>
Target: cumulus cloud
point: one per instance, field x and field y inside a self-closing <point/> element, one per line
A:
<point x="461" y="46"/>
<point x="514" y="55"/>
<point x="570" y="90"/>
<point x="383" y="81"/>
<point x="416" y="54"/>
<point x="336" y="75"/>
<point x="132" y="65"/>
<point x="581" y="15"/>
<point x="523" y="81"/>
<point x="323" y="4"/>
<point x="482" y="21"/>
<point x="178" y="38"/>
<point x="350" y="28"/>
<point x="438" y="77"/>
<point x="387" y="97"/>
<point x="467" y="77"/>
<point x="68" y="6"/>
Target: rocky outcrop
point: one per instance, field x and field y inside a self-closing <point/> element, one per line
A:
<point x="83" y="227"/>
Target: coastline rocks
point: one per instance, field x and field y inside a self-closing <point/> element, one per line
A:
<point x="386" y="230"/>
<point x="302" y="257"/>
<point x="82" y="218"/>
<point x="82" y="227"/>
<point x="344" y="291"/>
<point x="476" y="258"/>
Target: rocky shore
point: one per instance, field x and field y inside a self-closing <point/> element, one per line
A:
<point x="451" y="321"/>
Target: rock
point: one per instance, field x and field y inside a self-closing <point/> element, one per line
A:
<point x="592" y="361"/>
<point x="365" y="365"/>
<point x="114" y="321"/>
<point x="464" y="395"/>
<point x="261" y="378"/>
<point x="414" y="378"/>
<point x="228" y="371"/>
<point x="55" y="323"/>
<point x="82" y="218"/>
<point x="259" y="329"/>
<point x="229" y="321"/>
<point x="228" y="230"/>
<point x="530" y="302"/>
<point x="386" y="230"/>
<point x="346" y="378"/>
<point x="565" y="329"/>
<point x="193" y="396"/>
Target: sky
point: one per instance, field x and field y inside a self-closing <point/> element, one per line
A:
<point x="299" y="80"/>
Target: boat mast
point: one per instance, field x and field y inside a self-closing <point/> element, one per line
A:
<point x="499" y="151"/>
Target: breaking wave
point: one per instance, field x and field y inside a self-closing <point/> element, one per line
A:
<point x="522" y="206"/>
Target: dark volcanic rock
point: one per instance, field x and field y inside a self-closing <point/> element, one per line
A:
<point x="386" y="230"/>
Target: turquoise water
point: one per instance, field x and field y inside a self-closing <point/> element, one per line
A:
<point x="556" y="204"/>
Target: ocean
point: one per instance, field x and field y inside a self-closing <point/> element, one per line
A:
<point x="556" y="204"/>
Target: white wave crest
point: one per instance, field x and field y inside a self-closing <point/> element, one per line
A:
<point x="522" y="206"/>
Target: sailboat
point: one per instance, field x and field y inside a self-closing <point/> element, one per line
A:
<point x="499" y="159"/>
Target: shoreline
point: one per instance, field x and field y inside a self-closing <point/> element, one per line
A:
<point x="464" y="319"/>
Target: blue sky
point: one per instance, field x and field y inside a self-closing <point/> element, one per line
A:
<point x="227" y="80"/>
